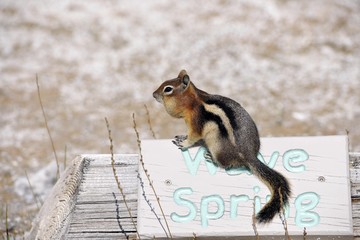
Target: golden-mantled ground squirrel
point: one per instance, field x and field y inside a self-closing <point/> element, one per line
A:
<point x="226" y="130"/>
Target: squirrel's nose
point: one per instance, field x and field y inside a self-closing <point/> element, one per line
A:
<point x="157" y="97"/>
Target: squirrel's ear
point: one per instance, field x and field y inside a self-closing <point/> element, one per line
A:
<point x="184" y="77"/>
<point x="182" y="73"/>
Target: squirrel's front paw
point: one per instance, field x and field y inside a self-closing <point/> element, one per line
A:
<point x="208" y="157"/>
<point x="179" y="141"/>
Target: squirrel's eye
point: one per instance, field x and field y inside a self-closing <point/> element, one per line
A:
<point x="168" y="89"/>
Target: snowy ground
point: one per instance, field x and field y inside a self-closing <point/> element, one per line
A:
<point x="294" y="65"/>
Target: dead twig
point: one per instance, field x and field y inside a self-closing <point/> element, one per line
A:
<point x="168" y="233"/>
<point x="47" y="128"/>
<point x="65" y="157"/>
<point x="283" y="216"/>
<point x="32" y="192"/>
<point x="254" y="223"/>
<point x="304" y="234"/>
<point x="147" y="200"/>
<point x="7" y="223"/>
<point x="117" y="179"/>
<point x="149" y="121"/>
<point x="118" y="216"/>
<point x="348" y="138"/>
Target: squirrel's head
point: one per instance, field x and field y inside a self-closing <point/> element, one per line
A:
<point x="175" y="94"/>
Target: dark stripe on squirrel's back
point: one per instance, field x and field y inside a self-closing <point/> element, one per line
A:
<point x="230" y="114"/>
<point x="208" y="116"/>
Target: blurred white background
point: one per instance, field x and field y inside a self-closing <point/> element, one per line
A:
<point x="294" y="65"/>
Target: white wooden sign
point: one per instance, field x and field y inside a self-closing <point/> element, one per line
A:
<point x="197" y="197"/>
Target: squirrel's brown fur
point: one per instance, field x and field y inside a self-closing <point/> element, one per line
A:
<point x="226" y="130"/>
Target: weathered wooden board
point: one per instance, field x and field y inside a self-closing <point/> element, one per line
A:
<point x="53" y="218"/>
<point x="100" y="211"/>
<point x="355" y="175"/>
<point x="58" y="220"/>
<point x="355" y="191"/>
<point x="199" y="198"/>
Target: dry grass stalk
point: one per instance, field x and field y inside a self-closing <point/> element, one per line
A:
<point x="149" y="121"/>
<point x="148" y="202"/>
<point x="283" y="216"/>
<point x="32" y="192"/>
<point x="254" y="223"/>
<point x="118" y="216"/>
<point x="148" y="177"/>
<point x="7" y="222"/>
<point x="65" y="157"/>
<point x="304" y="234"/>
<point x="117" y="178"/>
<point x="348" y="138"/>
<point x="47" y="128"/>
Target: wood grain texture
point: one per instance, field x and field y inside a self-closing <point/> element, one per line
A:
<point x="53" y="218"/>
<point x="100" y="210"/>
<point x="199" y="197"/>
<point x="87" y="188"/>
<point x="355" y="191"/>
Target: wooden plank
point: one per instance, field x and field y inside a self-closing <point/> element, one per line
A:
<point x="92" y="190"/>
<point x="53" y="218"/>
<point x="199" y="197"/>
<point x="355" y="191"/>
<point x="355" y="174"/>
<point x="100" y="210"/>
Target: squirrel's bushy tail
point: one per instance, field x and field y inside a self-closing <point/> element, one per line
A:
<point x="278" y="185"/>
